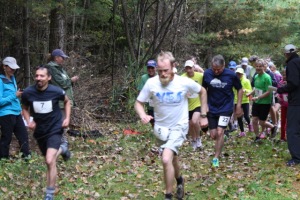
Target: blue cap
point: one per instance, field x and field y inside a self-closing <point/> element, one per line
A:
<point x="151" y="63"/>
<point x="59" y="52"/>
<point x="232" y="65"/>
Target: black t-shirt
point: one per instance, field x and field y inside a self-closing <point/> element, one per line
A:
<point x="44" y="107"/>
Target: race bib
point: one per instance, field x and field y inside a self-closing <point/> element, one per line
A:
<point x="258" y="92"/>
<point x="223" y="121"/>
<point x="285" y="98"/>
<point x="42" y="107"/>
<point x="162" y="133"/>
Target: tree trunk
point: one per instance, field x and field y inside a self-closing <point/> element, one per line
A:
<point x="26" y="45"/>
<point x="127" y="30"/>
<point x="53" y="36"/>
<point x="57" y="27"/>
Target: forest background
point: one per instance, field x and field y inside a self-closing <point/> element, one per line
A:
<point x="109" y="41"/>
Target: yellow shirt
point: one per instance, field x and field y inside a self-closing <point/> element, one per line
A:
<point x="246" y="85"/>
<point x="195" y="102"/>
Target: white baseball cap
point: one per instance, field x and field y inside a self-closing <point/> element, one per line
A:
<point x="290" y="48"/>
<point x="189" y="63"/>
<point x="244" y="61"/>
<point x="11" y="62"/>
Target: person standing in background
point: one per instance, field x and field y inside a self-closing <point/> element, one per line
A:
<point x="151" y="72"/>
<point x="61" y="79"/>
<point x="248" y="69"/>
<point x="196" y="66"/>
<point x="283" y="100"/>
<point x="11" y="120"/>
<point x="292" y="87"/>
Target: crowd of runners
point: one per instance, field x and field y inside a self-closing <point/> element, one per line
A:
<point x="247" y="97"/>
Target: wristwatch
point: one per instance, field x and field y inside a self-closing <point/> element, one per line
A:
<point x="203" y="115"/>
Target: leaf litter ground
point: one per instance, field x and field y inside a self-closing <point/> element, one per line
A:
<point x="119" y="166"/>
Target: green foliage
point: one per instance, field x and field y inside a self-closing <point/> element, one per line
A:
<point x="124" y="91"/>
<point x="243" y="28"/>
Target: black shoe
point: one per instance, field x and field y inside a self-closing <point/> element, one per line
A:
<point x="168" y="196"/>
<point x="257" y="139"/>
<point x="292" y="163"/>
<point x="66" y="156"/>
<point x="180" y="190"/>
<point x="274" y="131"/>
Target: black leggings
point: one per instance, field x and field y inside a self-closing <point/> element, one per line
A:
<point x="245" y="107"/>
<point x="13" y="124"/>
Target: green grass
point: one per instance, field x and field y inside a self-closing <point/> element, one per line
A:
<point x="118" y="166"/>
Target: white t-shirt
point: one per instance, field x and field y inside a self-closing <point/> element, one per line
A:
<point x="170" y="103"/>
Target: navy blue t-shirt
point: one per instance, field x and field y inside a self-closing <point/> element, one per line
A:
<point x="220" y="95"/>
<point x="44" y="107"/>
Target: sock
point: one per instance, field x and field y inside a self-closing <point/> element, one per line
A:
<point x="50" y="190"/>
<point x="179" y="180"/>
<point x="64" y="148"/>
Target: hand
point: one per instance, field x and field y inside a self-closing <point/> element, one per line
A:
<point x="239" y="111"/>
<point x="74" y="79"/>
<point x="19" y="93"/>
<point x="203" y="122"/>
<point x="254" y="98"/>
<point x="66" y="123"/>
<point x="146" y="118"/>
<point x="31" y="125"/>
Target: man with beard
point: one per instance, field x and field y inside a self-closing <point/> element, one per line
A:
<point x="42" y="100"/>
<point x="219" y="82"/>
<point x="169" y="95"/>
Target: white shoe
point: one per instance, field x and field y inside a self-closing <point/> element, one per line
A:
<point x="198" y="143"/>
<point x="194" y="144"/>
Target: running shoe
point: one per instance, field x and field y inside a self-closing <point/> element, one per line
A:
<point x="194" y="144"/>
<point x="168" y="196"/>
<point x="262" y="135"/>
<point x="49" y="197"/>
<point x="242" y="134"/>
<point x="215" y="162"/>
<point x="180" y="190"/>
<point x="274" y="131"/>
<point x="198" y="143"/>
<point x="250" y="127"/>
<point x="257" y="139"/>
<point x="292" y="163"/>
